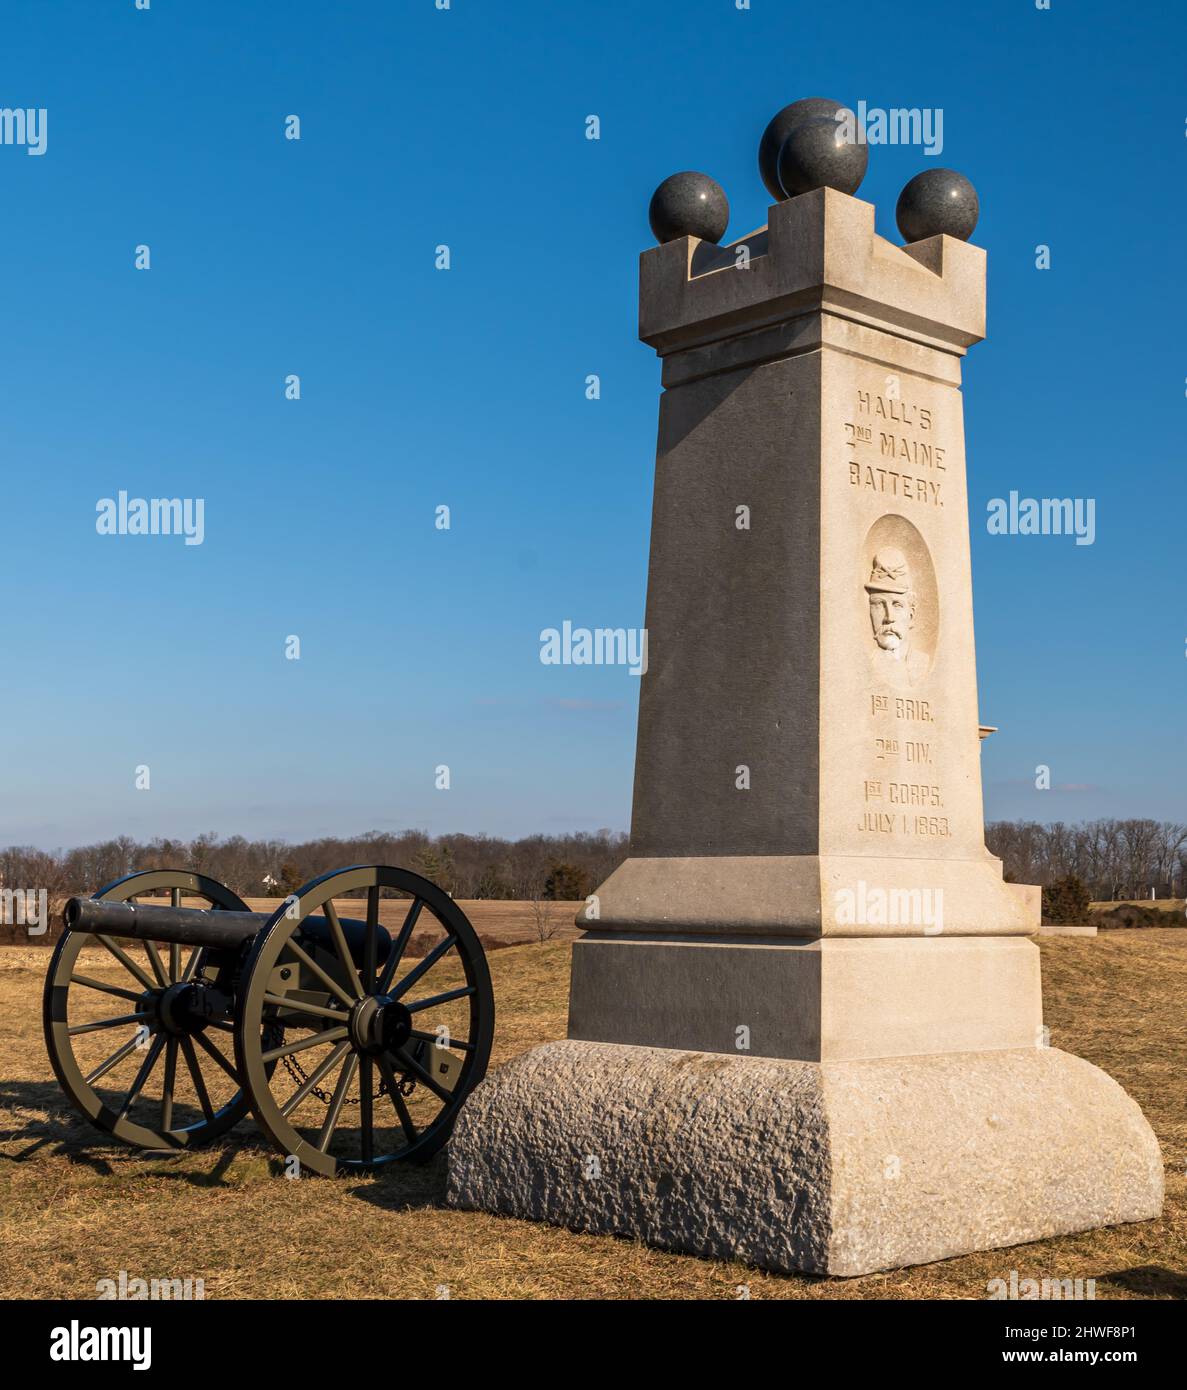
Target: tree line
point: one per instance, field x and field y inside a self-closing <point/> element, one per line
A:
<point x="468" y="866"/>
<point x="1113" y="859"/>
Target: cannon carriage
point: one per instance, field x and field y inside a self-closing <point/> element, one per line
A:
<point x="353" y="1045"/>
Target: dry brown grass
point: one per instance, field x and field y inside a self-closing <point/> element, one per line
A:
<point x="75" y="1209"/>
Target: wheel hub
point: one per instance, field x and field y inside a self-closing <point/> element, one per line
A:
<point x="178" y="1009"/>
<point x="379" y="1023"/>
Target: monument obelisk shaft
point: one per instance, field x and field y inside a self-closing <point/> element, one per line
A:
<point x="796" y="781"/>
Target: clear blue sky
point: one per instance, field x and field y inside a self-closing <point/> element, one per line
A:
<point x="422" y="387"/>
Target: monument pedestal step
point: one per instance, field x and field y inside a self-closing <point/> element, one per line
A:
<point x="820" y="1168"/>
<point x="813" y="895"/>
<point x="834" y="999"/>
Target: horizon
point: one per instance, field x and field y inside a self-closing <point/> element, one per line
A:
<point x="603" y="833"/>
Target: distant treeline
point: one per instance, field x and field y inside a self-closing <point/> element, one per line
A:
<point x="468" y="866"/>
<point x="1113" y="859"/>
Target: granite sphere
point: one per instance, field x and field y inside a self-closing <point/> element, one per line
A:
<point x="938" y="200"/>
<point x="780" y="126"/>
<point x="689" y="204"/>
<point x="816" y="155"/>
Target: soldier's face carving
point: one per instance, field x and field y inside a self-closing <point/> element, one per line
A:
<point x="892" y="616"/>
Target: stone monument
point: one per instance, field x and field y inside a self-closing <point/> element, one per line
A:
<point x="805" y="1023"/>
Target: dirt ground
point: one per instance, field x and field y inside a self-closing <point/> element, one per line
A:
<point x="76" y="1208"/>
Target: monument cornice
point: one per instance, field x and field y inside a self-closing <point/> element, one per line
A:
<point x="824" y="324"/>
<point x="818" y="255"/>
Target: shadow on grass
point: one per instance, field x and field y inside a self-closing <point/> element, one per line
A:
<point x="406" y="1186"/>
<point x="62" y="1133"/>
<point x="1151" y="1281"/>
<point x="222" y="1155"/>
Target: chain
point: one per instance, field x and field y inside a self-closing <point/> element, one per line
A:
<point x="406" y="1084"/>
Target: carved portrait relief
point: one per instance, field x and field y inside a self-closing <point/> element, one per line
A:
<point x="898" y="581"/>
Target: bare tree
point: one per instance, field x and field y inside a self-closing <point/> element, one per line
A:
<point x="541" y="909"/>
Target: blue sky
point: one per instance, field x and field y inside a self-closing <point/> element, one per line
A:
<point x="467" y="388"/>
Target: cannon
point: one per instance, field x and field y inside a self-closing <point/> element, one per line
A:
<point x="166" y="1024"/>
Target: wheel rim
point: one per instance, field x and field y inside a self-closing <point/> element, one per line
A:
<point x="386" y="1043"/>
<point x="120" y="1037"/>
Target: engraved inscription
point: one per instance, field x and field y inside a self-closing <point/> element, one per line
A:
<point x="913" y="711"/>
<point x="899" y="449"/>
<point x="886" y="795"/>
<point x="895" y="484"/>
<point x="894" y="410"/>
<point x="887" y="823"/>
<point x="904" y="433"/>
<point x="904" y="793"/>
<point x="913" y="794"/>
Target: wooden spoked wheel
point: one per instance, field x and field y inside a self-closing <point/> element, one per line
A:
<point x="139" y="1031"/>
<point x="384" y="1033"/>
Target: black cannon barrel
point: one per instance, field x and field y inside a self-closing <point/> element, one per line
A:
<point x="198" y="926"/>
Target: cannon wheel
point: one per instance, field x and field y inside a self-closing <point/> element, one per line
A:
<point x="376" y="1042"/>
<point x="144" y="1041"/>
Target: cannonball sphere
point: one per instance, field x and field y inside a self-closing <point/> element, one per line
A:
<point x="817" y="155"/>
<point x="689" y="204"/>
<point x="780" y="126"/>
<point x="938" y="200"/>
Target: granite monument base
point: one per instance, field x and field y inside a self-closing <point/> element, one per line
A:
<point x="839" y="1168"/>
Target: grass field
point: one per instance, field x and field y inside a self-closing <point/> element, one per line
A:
<point x="75" y="1209"/>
